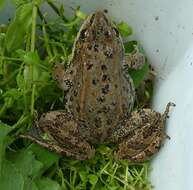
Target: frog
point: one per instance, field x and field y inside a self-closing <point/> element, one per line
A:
<point x="100" y="98"/>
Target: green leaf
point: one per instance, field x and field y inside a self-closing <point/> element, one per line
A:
<point x="83" y="175"/>
<point x="19" y="2"/>
<point x="1" y="3"/>
<point x="23" y="167"/>
<point x="17" y="29"/>
<point x="139" y="75"/>
<point x="130" y="46"/>
<point x="13" y="93"/>
<point x="80" y="14"/>
<point x="4" y="130"/>
<point x="11" y="178"/>
<point x="26" y="163"/>
<point x="124" y="29"/>
<point x="44" y="156"/>
<point x="92" y="179"/>
<point x="20" y="81"/>
<point x="39" y="74"/>
<point x="47" y="184"/>
<point x="32" y="58"/>
<point x="20" y="53"/>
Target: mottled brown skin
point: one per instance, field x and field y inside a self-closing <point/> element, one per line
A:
<point x="100" y="99"/>
<point x="147" y="132"/>
<point x="100" y="95"/>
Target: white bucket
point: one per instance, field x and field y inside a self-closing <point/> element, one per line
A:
<point x="165" y="30"/>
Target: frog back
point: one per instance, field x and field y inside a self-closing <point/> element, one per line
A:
<point x="100" y="95"/>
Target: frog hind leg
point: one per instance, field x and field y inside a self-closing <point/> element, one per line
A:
<point x="142" y="135"/>
<point x="58" y="132"/>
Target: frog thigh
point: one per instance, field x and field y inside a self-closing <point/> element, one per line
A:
<point x="58" y="132"/>
<point x="144" y="135"/>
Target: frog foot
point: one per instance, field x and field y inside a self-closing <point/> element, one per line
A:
<point x="58" y="131"/>
<point x="143" y="135"/>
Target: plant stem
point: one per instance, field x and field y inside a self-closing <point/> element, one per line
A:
<point x="11" y="58"/>
<point x="33" y="36"/>
<point x="55" y="8"/>
<point x="46" y="40"/>
<point x="33" y="33"/>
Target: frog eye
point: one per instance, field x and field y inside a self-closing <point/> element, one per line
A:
<point x="91" y="19"/>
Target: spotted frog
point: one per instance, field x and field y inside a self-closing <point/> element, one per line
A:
<point x="100" y="98"/>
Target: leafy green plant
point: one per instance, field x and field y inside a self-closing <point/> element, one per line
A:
<point x="28" y="51"/>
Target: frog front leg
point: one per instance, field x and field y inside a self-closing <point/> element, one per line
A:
<point x="63" y="77"/>
<point x="59" y="132"/>
<point x="142" y="135"/>
<point x="134" y="60"/>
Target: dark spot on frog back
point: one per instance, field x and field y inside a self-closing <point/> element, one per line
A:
<point x="105" y="109"/>
<point x="101" y="99"/>
<point x="108" y="52"/>
<point x="103" y="67"/>
<point x="75" y="93"/>
<point x="105" y="78"/>
<point x="94" y="81"/>
<point x="89" y="66"/>
<point x="96" y="46"/>
<point x="105" y="89"/>
<point x="97" y="121"/>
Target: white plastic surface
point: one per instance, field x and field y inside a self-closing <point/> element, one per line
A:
<point x="165" y="30"/>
